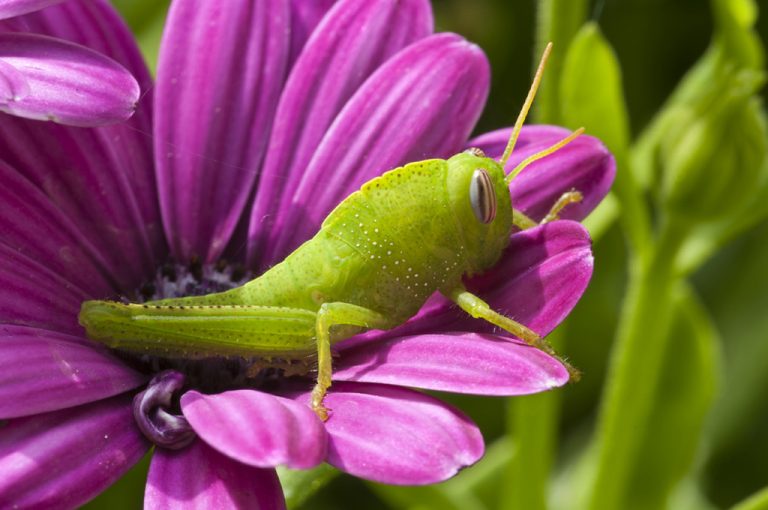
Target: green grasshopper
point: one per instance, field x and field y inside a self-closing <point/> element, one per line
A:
<point x="364" y="269"/>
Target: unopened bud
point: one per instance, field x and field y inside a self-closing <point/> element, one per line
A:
<point x="713" y="151"/>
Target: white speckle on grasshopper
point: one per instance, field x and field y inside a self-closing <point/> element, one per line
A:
<point x="458" y="222"/>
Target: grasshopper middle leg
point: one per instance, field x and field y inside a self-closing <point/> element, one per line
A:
<point x="332" y="314"/>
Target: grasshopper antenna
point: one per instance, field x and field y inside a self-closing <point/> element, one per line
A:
<point x="526" y="106"/>
<point x="521" y="119"/>
<point x="541" y="154"/>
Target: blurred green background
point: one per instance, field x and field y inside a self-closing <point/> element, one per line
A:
<point x="656" y="42"/>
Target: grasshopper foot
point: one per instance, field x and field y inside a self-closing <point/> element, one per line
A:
<point x="318" y="394"/>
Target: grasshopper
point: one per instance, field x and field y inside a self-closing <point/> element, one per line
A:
<point x="365" y="269"/>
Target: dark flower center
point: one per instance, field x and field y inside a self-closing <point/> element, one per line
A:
<point x="156" y="409"/>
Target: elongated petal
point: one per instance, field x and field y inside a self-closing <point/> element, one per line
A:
<point x="304" y="18"/>
<point x="353" y="40"/>
<point x="539" y="279"/>
<point x="64" y="458"/>
<point x="13" y="84"/>
<point x="395" y="435"/>
<point x="221" y="68"/>
<point x="584" y="165"/>
<point x="457" y="362"/>
<point x="43" y="371"/>
<point x="421" y="103"/>
<point x="68" y="83"/>
<point x="10" y="8"/>
<point x="257" y="428"/>
<point x="31" y="294"/>
<point x="199" y="478"/>
<point x="34" y="227"/>
<point x="117" y="159"/>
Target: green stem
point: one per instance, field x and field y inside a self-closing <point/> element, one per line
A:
<point x="758" y="501"/>
<point x="533" y="420"/>
<point x="634" y="368"/>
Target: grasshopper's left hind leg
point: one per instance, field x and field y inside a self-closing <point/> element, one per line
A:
<point x="329" y="315"/>
<point x="479" y="309"/>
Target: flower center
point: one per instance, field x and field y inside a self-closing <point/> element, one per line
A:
<point x="174" y="280"/>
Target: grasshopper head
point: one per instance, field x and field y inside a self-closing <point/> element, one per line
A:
<point x="481" y="201"/>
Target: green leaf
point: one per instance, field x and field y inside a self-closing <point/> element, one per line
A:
<point x="591" y="90"/>
<point x="592" y="96"/>
<point x="299" y="485"/>
<point x="557" y="21"/>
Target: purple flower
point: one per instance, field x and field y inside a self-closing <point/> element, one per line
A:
<point x="46" y="78"/>
<point x="266" y="115"/>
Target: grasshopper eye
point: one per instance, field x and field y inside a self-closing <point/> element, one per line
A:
<point x="482" y="196"/>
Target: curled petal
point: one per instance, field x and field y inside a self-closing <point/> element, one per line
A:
<point x="200" y="478"/>
<point x="152" y="409"/>
<point x="11" y="8"/>
<point x="421" y="103"/>
<point x="353" y="40"/>
<point x="456" y="362"/>
<point x="257" y="428"/>
<point x="220" y="71"/>
<point x="397" y="436"/>
<point x="43" y="371"/>
<point x="584" y="165"/>
<point x="68" y="83"/>
<point x="64" y="458"/>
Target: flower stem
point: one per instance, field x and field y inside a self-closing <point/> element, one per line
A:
<point x="532" y="421"/>
<point x="635" y="366"/>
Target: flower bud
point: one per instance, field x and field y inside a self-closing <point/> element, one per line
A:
<point x="713" y="151"/>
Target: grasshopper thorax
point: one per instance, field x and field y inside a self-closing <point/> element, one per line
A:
<point x="482" y="205"/>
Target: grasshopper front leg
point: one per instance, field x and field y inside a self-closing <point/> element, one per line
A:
<point x="479" y="309"/>
<point x="337" y="314"/>
<point x="523" y="222"/>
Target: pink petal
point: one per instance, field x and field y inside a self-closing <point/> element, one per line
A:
<point x="256" y="428"/>
<point x="584" y="165"/>
<point x="31" y="294"/>
<point x="13" y="84"/>
<point x="10" y="8"/>
<point x="456" y="362"/>
<point x="221" y="69"/>
<point x="352" y="41"/>
<point x="199" y="478"/>
<point x="421" y="103"/>
<point x="397" y="436"/>
<point x="38" y="230"/>
<point x="67" y="83"/>
<point x="43" y="371"/>
<point x="64" y="458"/>
<point x="304" y="18"/>
<point x="115" y="168"/>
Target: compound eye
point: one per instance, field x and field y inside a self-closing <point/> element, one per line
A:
<point x="482" y="196"/>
